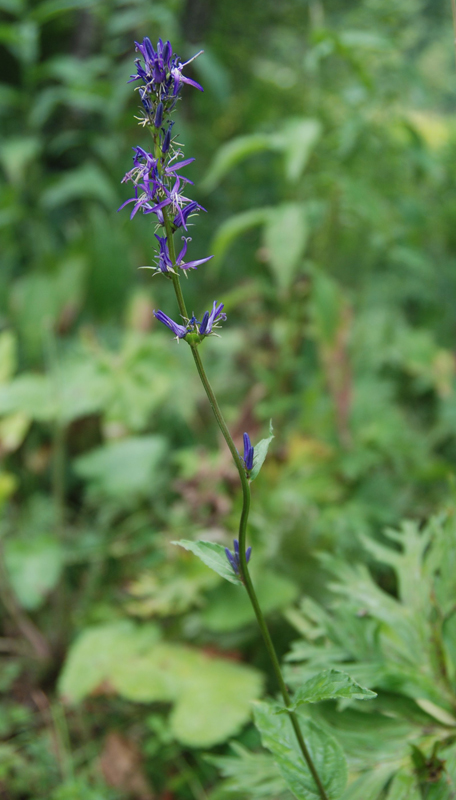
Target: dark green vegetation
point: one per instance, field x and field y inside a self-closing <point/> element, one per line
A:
<point x="325" y="147"/>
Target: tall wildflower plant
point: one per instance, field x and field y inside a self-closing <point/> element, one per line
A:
<point x="313" y="766"/>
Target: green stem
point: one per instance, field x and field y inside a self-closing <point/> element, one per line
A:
<point x="245" y="575"/>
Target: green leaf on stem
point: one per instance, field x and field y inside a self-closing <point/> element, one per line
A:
<point x="260" y="453"/>
<point x="331" y="684"/>
<point x="278" y="736"/>
<point x="214" y="556"/>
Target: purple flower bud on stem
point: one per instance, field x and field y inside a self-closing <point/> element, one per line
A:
<point x="248" y="452"/>
<point x="159" y="116"/>
<point x="234" y="558"/>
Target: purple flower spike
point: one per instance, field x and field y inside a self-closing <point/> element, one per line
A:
<point x="179" y="330"/>
<point x="234" y="558"/>
<point x="248" y="453"/>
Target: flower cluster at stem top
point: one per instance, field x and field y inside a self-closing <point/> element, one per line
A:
<point x="159" y="188"/>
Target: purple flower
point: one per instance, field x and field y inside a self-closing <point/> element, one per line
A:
<point x="179" y="330"/>
<point x="183" y="214"/>
<point x="158" y="116"/>
<point x="165" y="264"/>
<point x="189" y="264"/>
<point x="234" y="559"/>
<point x="160" y="72"/>
<point x="211" y="319"/>
<point x="248" y="452"/>
<point x="179" y="79"/>
<point x="167" y="138"/>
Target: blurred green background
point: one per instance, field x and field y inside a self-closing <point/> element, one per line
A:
<point x="325" y="146"/>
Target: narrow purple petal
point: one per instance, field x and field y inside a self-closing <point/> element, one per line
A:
<point x="190" y="82"/>
<point x="179" y="165"/>
<point x="195" y="264"/>
<point x="182" y="253"/>
<point x="131" y="200"/>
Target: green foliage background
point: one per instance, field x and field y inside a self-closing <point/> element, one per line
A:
<point x="325" y="146"/>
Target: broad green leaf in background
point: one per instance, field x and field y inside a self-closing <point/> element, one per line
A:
<point x="34" y="567"/>
<point x="8" y="355"/>
<point x="285" y="237"/>
<point x="235" y="226"/>
<point x="299" y="137"/>
<point x="13" y="430"/>
<point x="211" y="696"/>
<point x="404" y="787"/>
<point x="278" y="736"/>
<point x="88" y="181"/>
<point x="16" y="156"/>
<point x="233" y="152"/>
<point x="260" y="453"/>
<point x="370" y="784"/>
<point x="125" y="469"/>
<point x="213" y="555"/>
<point x="216" y="77"/>
<point x="8" y="484"/>
<point x="29" y="394"/>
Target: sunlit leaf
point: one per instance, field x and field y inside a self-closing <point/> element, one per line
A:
<point x="213" y="555"/>
<point x="211" y="696"/>
<point x="299" y="139"/>
<point x="233" y="152"/>
<point x="125" y="469"/>
<point x="285" y="237"/>
<point x="235" y="226"/>
<point x="34" y="567"/>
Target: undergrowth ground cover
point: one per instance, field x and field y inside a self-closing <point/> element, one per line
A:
<point x="325" y="146"/>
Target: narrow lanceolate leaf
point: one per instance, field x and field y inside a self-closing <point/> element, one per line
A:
<point x="329" y="685"/>
<point x="286" y="235"/>
<point x="235" y="226"/>
<point x="233" y="152"/>
<point x="278" y="736"/>
<point x="213" y="555"/>
<point x="261" y="451"/>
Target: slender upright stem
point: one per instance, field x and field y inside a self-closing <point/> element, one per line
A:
<point x="245" y="575"/>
